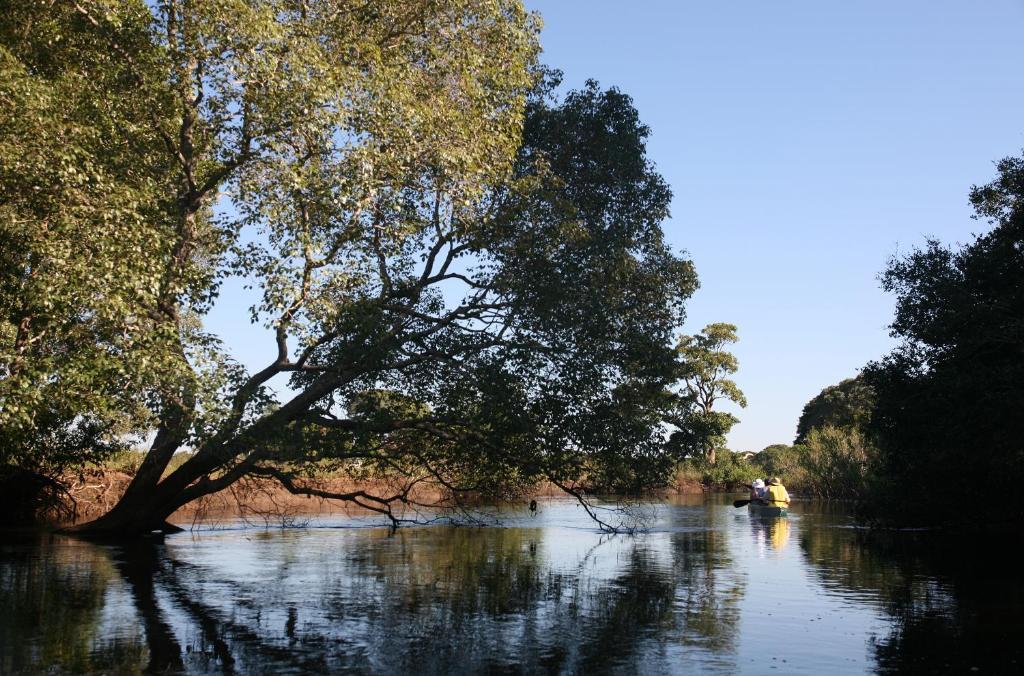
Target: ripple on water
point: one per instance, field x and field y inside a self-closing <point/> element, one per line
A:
<point x="707" y="588"/>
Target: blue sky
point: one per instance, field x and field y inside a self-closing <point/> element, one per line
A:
<point x="806" y="142"/>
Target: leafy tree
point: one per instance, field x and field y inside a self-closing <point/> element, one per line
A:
<point x="128" y="122"/>
<point x="466" y="279"/>
<point x="82" y="185"/>
<point x="848" y="404"/>
<point x="949" y="397"/>
<point x="704" y="367"/>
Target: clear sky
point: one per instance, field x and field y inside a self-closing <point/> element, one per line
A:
<point x="806" y="142"/>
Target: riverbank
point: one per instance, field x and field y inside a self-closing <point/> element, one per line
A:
<point x="94" y="491"/>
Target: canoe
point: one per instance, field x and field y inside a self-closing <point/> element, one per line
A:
<point x="767" y="510"/>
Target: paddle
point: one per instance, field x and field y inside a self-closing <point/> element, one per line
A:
<point x="743" y="503"/>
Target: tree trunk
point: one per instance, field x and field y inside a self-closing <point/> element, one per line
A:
<point x="711" y="455"/>
<point x="142" y="512"/>
<point x="133" y="516"/>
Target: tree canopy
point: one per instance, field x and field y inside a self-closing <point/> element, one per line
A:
<point x="465" y="277"/>
<point x="703" y="367"/>
<point x="949" y="397"/>
<point x="82" y="181"/>
<point x="846" y="404"/>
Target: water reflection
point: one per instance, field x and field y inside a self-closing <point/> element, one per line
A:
<point x="955" y="602"/>
<point x="710" y="589"/>
<point x="60" y="609"/>
<point x="433" y="600"/>
<point x="441" y="600"/>
<point x="138" y="565"/>
<point x="771" y="534"/>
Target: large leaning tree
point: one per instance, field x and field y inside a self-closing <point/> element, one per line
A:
<point x="464" y="280"/>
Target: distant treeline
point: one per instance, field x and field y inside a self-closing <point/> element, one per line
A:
<point x="829" y="464"/>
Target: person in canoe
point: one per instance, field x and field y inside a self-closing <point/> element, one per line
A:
<point x="757" y="492"/>
<point x="776" y="494"/>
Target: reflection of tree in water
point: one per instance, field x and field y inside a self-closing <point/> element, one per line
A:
<point x="709" y="588"/>
<point x="954" y="603"/>
<point x="502" y="607"/>
<point x="442" y="600"/>
<point x="138" y="564"/>
<point x="424" y="600"/>
<point x="52" y="592"/>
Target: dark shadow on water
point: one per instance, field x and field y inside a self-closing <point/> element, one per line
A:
<point x="53" y="594"/>
<point x="139" y="565"/>
<point x="955" y="602"/>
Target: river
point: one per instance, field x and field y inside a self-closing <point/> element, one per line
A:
<point x="707" y="588"/>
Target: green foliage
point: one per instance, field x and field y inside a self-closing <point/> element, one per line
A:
<point x="837" y="462"/>
<point x="129" y="460"/>
<point x="949" y="397"/>
<point x="576" y="251"/>
<point x="848" y="404"/>
<point x="704" y="367"/>
<point x="705" y="363"/>
<point x="696" y="433"/>
<point x="80" y="226"/>
<point x="729" y="469"/>
<point x="833" y="463"/>
<point x="466" y="277"/>
<point x="785" y="462"/>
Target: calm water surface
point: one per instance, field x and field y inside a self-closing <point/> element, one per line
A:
<point x="708" y="589"/>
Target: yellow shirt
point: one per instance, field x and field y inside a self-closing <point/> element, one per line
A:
<point x="777" y="496"/>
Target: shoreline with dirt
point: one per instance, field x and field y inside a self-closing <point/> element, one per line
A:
<point x="96" y="491"/>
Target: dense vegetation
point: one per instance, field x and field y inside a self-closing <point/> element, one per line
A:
<point x="832" y="463"/>
<point x="846" y="404"/>
<point x="463" y="276"/>
<point x="932" y="433"/>
<point x="948" y="417"/>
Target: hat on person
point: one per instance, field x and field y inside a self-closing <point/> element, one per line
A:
<point x="758" y="483"/>
<point x="775" y="481"/>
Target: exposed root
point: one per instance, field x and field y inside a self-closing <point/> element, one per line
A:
<point x="28" y="497"/>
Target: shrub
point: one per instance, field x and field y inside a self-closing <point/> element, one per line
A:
<point x="785" y="462"/>
<point x="836" y="461"/>
<point x="729" y="470"/>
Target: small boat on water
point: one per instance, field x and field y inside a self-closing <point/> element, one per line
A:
<point x="767" y="510"/>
